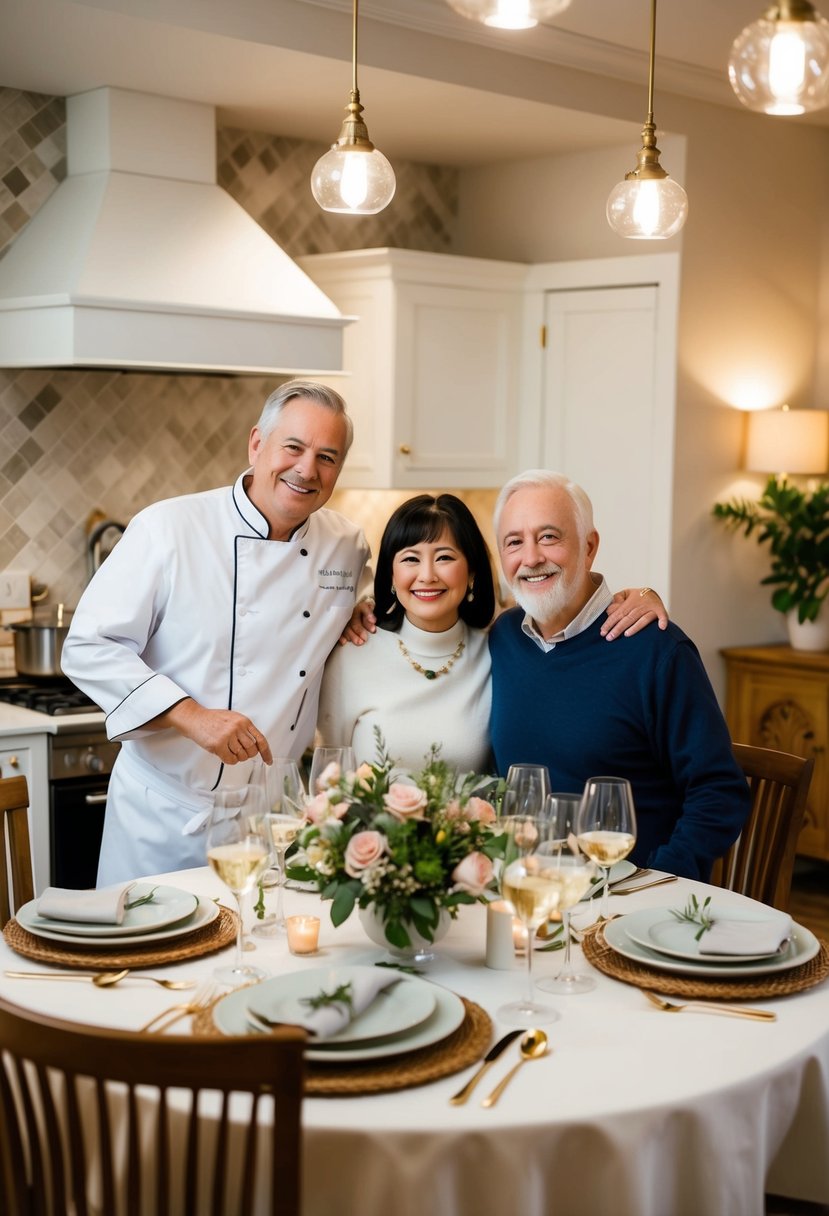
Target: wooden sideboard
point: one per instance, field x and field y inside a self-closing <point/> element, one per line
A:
<point x="778" y="697"/>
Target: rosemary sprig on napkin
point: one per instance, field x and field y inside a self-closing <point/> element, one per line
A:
<point x="140" y="899"/>
<point x="340" y="996"/>
<point x="696" y="914"/>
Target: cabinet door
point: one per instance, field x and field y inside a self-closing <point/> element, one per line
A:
<point x="456" y="385"/>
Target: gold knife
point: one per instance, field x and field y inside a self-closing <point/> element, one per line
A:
<point x="461" y="1096"/>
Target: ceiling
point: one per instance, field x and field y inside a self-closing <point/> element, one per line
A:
<point x="436" y="87"/>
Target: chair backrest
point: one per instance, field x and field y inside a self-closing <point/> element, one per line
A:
<point x="761" y="861"/>
<point x="203" y="1126"/>
<point x="16" y="885"/>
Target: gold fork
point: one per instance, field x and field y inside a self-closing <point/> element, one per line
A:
<point x="756" y="1015"/>
<point x="162" y="1021"/>
<point x="646" y="886"/>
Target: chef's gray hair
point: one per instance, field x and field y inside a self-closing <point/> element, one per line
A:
<point x="309" y="390"/>
<point x="545" y="478"/>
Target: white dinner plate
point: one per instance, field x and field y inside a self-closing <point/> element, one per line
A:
<point x="396" y="1008"/>
<point x="169" y="904"/>
<point x="205" y="913"/>
<point x="230" y="1017"/>
<point x="618" y="873"/>
<point x="667" y="935"/>
<point x="802" y="947"/>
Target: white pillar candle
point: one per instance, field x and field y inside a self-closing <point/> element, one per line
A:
<point x="500" y="952"/>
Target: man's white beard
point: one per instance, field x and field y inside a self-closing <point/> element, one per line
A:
<point x="548" y="604"/>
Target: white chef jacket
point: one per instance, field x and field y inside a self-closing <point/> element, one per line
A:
<point x="194" y="600"/>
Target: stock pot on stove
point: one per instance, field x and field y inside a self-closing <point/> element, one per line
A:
<point x="38" y="642"/>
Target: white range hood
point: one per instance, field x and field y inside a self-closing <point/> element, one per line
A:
<point x="140" y="260"/>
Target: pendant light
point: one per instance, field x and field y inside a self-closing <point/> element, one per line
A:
<point x="354" y="177"/>
<point x="648" y="204"/>
<point x="780" y="63"/>
<point x="509" y="14"/>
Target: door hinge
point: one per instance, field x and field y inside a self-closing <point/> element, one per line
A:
<point x="543" y="336"/>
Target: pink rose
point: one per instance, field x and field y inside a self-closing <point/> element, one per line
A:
<point x="362" y="775"/>
<point x="473" y="873"/>
<point x="452" y="810"/>
<point x="480" y="811"/>
<point x="405" y="801"/>
<point x="329" y="776"/>
<point x="363" y="851"/>
<point x="321" y="808"/>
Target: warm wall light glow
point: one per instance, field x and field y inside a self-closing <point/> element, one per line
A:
<point x="509" y="14"/>
<point x="780" y="63"/>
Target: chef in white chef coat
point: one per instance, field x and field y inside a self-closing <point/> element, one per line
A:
<point x="204" y="633"/>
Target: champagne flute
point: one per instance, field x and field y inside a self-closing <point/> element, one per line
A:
<point x="526" y="787"/>
<point x="328" y="764"/>
<point x="606" y="825"/>
<point x="561" y="810"/>
<point x="284" y="813"/>
<point x="238" y="850"/>
<point x="525" y="885"/>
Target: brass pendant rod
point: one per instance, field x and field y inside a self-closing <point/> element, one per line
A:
<point x="354" y="88"/>
<point x="652" y="57"/>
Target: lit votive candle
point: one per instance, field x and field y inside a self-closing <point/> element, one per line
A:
<point x="519" y="936"/>
<point x="303" y="934"/>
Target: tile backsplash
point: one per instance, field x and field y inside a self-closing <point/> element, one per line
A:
<point x="74" y="441"/>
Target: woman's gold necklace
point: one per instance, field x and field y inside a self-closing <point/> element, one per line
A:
<point x="428" y="672"/>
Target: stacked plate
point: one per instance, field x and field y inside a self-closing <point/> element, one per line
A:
<point x="410" y="1014"/>
<point x="171" y="913"/>
<point x="655" y="937"/>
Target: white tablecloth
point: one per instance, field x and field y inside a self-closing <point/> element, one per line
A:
<point x="635" y="1112"/>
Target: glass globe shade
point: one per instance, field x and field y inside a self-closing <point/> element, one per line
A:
<point x="780" y="66"/>
<point x="509" y="14"/>
<point x="647" y="208"/>
<point x="353" y="181"/>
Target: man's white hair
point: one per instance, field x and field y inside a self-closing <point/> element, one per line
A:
<point x="582" y="505"/>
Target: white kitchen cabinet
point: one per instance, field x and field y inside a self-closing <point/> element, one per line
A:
<point x="26" y="756"/>
<point x="433" y="364"/>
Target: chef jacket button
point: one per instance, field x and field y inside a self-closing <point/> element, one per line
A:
<point x="303" y="552"/>
<point x="306" y="613"/>
<point x="302" y="673"/>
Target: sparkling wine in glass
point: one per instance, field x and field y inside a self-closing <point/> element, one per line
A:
<point x="606" y="825"/>
<point x="526" y="886"/>
<point x="526" y="787"/>
<point x="238" y="850"/>
<point x="284" y="817"/>
<point x="328" y="764"/>
<point x="577" y="875"/>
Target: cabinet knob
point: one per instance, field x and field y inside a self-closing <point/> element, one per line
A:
<point x="14" y="762"/>
<point x="405" y="450"/>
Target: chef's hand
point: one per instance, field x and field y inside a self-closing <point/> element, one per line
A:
<point x="222" y="732"/>
<point x="631" y="611"/>
<point x="362" y="623"/>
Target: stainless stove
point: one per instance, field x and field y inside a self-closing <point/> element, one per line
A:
<point x="56" y="698"/>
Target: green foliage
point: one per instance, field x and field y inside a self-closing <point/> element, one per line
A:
<point x="795" y="525"/>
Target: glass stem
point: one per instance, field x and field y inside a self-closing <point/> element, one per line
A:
<point x="565" y="920"/>
<point x="530" y="990"/>
<point x="239" y="964"/>
<point x="605" y="894"/>
<point x="280" y="887"/>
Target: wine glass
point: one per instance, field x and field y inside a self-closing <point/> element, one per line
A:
<point x="238" y="849"/>
<point x="528" y="856"/>
<point x="606" y="825"/>
<point x="526" y="787"/>
<point x="328" y="764"/>
<point x="284" y="814"/>
<point x="577" y="873"/>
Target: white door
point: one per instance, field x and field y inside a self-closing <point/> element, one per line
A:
<point x="606" y="428"/>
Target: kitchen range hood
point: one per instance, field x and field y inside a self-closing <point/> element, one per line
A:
<point x="140" y="260"/>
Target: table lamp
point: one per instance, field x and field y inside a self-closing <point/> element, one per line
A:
<point x="788" y="441"/>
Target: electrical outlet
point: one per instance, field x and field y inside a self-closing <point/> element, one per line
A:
<point x="15" y="589"/>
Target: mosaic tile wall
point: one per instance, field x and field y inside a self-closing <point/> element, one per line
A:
<point x="73" y="442"/>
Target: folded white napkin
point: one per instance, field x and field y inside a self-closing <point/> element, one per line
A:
<point x="104" y="906"/>
<point x="746" y="936"/>
<point x="365" y="986"/>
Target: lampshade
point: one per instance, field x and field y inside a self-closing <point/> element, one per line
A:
<point x="780" y="63"/>
<point x="788" y="441"/>
<point x="509" y="14"/>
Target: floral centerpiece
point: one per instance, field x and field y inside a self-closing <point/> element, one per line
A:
<point x="408" y="846"/>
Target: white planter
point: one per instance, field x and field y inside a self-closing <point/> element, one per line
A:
<point x="420" y="951"/>
<point x="808" y="635"/>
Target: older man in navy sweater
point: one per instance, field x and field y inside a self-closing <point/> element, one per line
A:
<point x="563" y="697"/>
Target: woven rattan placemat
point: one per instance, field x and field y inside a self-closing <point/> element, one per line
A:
<point x="463" y="1047"/>
<point x="215" y="936"/>
<point x="797" y="979"/>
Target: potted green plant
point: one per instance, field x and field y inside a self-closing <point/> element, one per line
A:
<point x="795" y="525"/>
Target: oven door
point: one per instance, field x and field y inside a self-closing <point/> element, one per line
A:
<point x="76" y="825"/>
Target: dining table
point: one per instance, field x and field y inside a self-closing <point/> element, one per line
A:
<point x="633" y="1111"/>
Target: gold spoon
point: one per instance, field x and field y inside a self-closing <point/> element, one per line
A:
<point x="103" y="979"/>
<point x="533" y="1046"/>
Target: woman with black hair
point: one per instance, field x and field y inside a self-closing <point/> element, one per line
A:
<point x="423" y="677"/>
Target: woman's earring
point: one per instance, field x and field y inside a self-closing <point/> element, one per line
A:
<point x="393" y="592"/>
<point x="469" y="596"/>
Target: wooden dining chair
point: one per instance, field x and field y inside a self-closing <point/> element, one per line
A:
<point x="16" y="884"/>
<point x="760" y="863"/>
<point x="219" y="1122"/>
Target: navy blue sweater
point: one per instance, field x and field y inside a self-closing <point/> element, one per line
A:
<point x="639" y="707"/>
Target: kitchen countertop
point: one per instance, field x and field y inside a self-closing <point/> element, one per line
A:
<point x="15" y="720"/>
